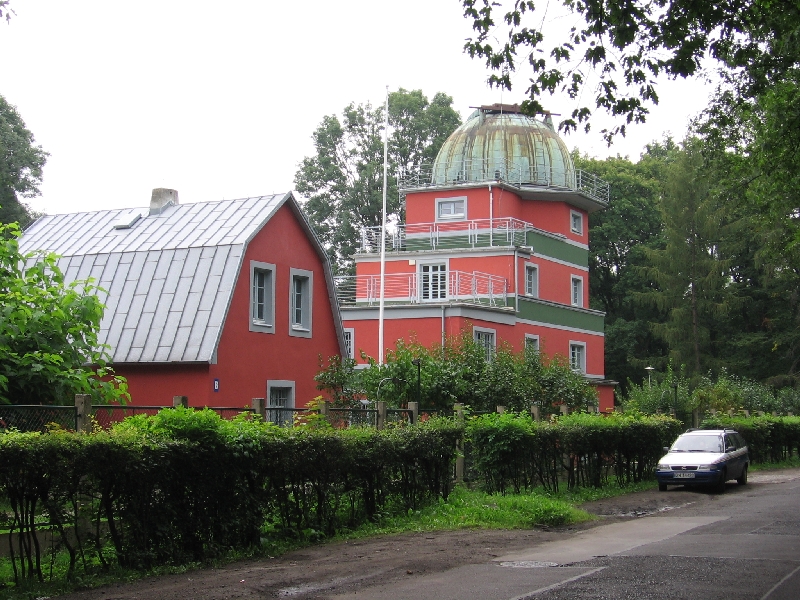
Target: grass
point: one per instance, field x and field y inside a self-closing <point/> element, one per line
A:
<point x="790" y="463"/>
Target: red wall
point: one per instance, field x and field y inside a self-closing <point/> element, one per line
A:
<point x="246" y="359"/>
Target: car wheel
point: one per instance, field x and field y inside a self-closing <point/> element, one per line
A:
<point x="742" y="480"/>
<point x="662" y="487"/>
<point x="723" y="477"/>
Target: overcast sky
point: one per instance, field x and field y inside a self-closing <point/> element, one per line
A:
<point x="219" y="99"/>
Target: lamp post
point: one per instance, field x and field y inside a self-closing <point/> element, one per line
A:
<point x="417" y="363"/>
<point x="380" y="383"/>
<point x="649" y="374"/>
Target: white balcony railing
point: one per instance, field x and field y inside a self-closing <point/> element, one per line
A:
<point x="503" y="232"/>
<point x="414" y="288"/>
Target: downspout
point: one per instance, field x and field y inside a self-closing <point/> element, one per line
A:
<point x="444" y="333"/>
<point x="491" y="216"/>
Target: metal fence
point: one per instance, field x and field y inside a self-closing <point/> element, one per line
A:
<point x="37" y="417"/>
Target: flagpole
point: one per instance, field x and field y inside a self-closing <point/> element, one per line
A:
<point x="383" y="224"/>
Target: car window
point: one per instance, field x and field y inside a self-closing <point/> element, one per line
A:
<point x="698" y="443"/>
<point x="730" y="442"/>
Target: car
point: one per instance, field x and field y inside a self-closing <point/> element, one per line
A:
<point x="704" y="457"/>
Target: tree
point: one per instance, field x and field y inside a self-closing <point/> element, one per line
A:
<point x="625" y="44"/>
<point x="691" y="273"/>
<point x="48" y="332"/>
<point x="21" y="165"/>
<point x="344" y="179"/>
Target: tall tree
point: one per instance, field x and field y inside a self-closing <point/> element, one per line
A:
<point x="21" y="165"/>
<point x="343" y="181"/>
<point x="691" y="273"/>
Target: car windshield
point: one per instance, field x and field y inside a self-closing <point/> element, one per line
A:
<point x="698" y="443"/>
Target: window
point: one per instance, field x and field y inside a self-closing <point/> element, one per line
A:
<point x="577" y="291"/>
<point x="577" y="357"/>
<point x="532" y="342"/>
<point x="349" y="345"/>
<point x="433" y="282"/>
<point x="451" y="208"/>
<point x="576" y="222"/>
<point x="300" y="302"/>
<point x="485" y="338"/>
<point x="280" y="401"/>
<point x="532" y="281"/>
<point x="262" y="297"/>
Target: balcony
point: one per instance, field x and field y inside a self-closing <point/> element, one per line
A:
<point x="476" y="233"/>
<point x="520" y="173"/>
<point x="419" y="288"/>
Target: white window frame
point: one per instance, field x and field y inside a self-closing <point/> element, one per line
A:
<point x="576" y="291"/>
<point x="455" y="216"/>
<point x="290" y="403"/>
<point x="489" y="349"/>
<point x="350" y="342"/>
<point x="421" y="275"/>
<point x="266" y="324"/>
<point x="581" y="367"/>
<point x="306" y="279"/>
<point x="533" y="340"/>
<point x="576" y="217"/>
<point x="532" y="291"/>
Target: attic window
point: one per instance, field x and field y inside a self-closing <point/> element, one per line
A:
<point x="128" y="219"/>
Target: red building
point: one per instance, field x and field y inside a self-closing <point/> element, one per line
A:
<point x="496" y="241"/>
<point x="220" y="301"/>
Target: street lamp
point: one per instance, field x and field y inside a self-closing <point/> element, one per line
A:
<point x="649" y="374"/>
<point x="380" y="383"/>
<point x="417" y="363"/>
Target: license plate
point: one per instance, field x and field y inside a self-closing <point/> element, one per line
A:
<point x="683" y="475"/>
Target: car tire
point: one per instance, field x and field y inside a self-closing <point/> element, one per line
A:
<point x="720" y="487"/>
<point x="662" y="487"/>
<point x="742" y="480"/>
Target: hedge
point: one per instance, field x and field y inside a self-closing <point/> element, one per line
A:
<point x="511" y="452"/>
<point x="185" y="485"/>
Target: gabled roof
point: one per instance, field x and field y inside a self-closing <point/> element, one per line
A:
<point x="169" y="278"/>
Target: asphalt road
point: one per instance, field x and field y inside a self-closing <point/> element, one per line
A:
<point x="744" y="545"/>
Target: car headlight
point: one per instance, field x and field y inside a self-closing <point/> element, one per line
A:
<point x="711" y="467"/>
<point x="664" y="467"/>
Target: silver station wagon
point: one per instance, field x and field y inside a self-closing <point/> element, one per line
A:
<point x="704" y="457"/>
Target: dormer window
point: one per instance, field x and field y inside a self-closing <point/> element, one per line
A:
<point x="449" y="209"/>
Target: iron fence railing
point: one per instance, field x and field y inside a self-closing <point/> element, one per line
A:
<point x="36" y="417"/>
<point x="505" y="232"/>
<point x="518" y="172"/>
<point x="411" y="288"/>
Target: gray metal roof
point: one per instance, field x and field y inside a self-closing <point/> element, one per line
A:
<point x="169" y="278"/>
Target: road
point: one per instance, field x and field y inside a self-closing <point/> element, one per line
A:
<point x="745" y="545"/>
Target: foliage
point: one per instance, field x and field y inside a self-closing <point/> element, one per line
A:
<point x="769" y="439"/>
<point x="459" y="372"/>
<point x="49" y="349"/>
<point x="21" y="162"/>
<point x="512" y="452"/>
<point x="186" y="486"/>
<point x="339" y="380"/>
<point x="618" y="48"/>
<point x="344" y="179"/>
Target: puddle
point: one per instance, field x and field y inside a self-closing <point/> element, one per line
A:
<point x="527" y="564"/>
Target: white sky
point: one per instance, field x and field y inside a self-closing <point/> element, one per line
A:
<point x="219" y="99"/>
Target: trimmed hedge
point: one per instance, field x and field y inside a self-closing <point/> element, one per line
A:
<point x="185" y="485"/>
<point x="511" y="452"/>
<point x="769" y="438"/>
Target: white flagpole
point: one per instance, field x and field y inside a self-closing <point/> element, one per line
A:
<point x="383" y="224"/>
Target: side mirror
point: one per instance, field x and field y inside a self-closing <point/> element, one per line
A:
<point x="666" y="449"/>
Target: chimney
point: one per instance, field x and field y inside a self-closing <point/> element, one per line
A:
<point x="161" y="199"/>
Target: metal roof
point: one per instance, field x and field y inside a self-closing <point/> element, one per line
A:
<point x="169" y="278"/>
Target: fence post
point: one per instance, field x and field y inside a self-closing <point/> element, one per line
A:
<point x="564" y="409"/>
<point x="380" y="421"/>
<point x="323" y="409"/>
<point x="501" y="410"/>
<point x="180" y="401"/>
<point x="459" y="411"/>
<point x="83" y="413"/>
<point x="536" y="413"/>
<point x="259" y="406"/>
<point x="413" y="408"/>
